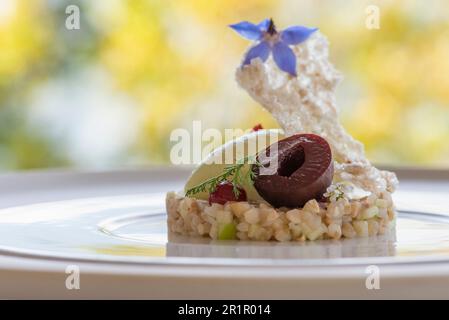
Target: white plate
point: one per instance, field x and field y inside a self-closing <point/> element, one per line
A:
<point x="112" y="225"/>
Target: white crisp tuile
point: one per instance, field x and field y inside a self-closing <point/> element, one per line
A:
<point x="306" y="104"/>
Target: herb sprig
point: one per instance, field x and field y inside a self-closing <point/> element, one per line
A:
<point x="232" y="173"/>
<point x="335" y="192"/>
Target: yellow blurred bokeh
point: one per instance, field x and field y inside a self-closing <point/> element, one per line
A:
<point x="110" y="93"/>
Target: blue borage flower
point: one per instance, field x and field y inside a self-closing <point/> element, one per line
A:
<point x="271" y="41"/>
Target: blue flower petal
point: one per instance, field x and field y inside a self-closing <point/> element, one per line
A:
<point x="284" y="58"/>
<point x="247" y="30"/>
<point x="263" y="25"/>
<point x="260" y="50"/>
<point x="296" y="34"/>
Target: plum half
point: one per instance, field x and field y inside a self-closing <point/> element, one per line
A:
<point x="294" y="170"/>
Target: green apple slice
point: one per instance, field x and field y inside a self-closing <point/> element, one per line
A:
<point x="229" y="153"/>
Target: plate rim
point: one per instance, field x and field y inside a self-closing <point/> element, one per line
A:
<point x="141" y="175"/>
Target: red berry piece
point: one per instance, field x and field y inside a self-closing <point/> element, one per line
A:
<point x="257" y="127"/>
<point x="225" y="192"/>
<point x="302" y="170"/>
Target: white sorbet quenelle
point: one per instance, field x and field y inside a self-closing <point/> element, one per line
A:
<point x="290" y="75"/>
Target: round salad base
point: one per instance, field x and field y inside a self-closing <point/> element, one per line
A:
<point x="243" y="220"/>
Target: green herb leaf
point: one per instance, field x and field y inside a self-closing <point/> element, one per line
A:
<point x="233" y="173"/>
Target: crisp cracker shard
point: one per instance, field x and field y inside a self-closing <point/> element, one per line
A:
<point x="306" y="104"/>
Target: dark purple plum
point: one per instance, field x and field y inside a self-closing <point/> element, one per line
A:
<point x="304" y="170"/>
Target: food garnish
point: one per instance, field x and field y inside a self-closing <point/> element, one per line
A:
<point x="225" y="191"/>
<point x="272" y="41"/>
<point x="238" y="174"/>
<point x="257" y="127"/>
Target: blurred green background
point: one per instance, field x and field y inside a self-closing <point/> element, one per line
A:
<point x="109" y="94"/>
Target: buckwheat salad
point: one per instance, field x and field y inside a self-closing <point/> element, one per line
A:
<point x="310" y="179"/>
